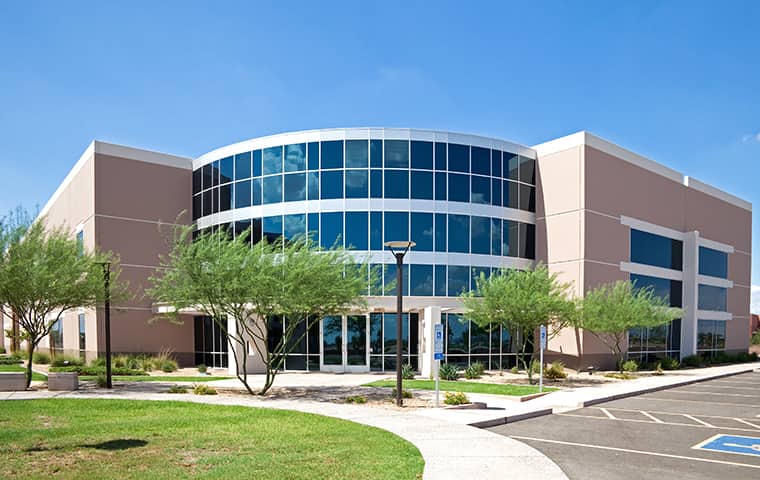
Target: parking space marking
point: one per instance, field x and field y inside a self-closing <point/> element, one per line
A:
<point x="659" y="412"/>
<point x="723" y="394"/>
<point x="698" y="420"/>
<point x="731" y="444"/>
<point x="753" y="387"/>
<point x="657" y="420"/>
<point x="675" y="424"/>
<point x="703" y="401"/>
<point x="640" y="452"/>
<point x="747" y="423"/>
<point x="607" y="412"/>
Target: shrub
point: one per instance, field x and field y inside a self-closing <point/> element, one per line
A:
<point x="404" y="393"/>
<point x="471" y="373"/>
<point x="455" y="398"/>
<point x="479" y="367"/>
<point x="658" y="369"/>
<point x="514" y="370"/>
<point x="619" y="376"/>
<point x="120" y="361"/>
<point x="2" y="350"/>
<point x="555" y="370"/>
<point x="756" y="338"/>
<point x="630" y="366"/>
<point x="202" y="368"/>
<point x="10" y="360"/>
<point x="669" y="363"/>
<point x="177" y="389"/>
<point x="448" y="371"/>
<point x="101" y="381"/>
<point x="535" y="366"/>
<point x="407" y="372"/>
<point x="168" y="366"/>
<point x="691" y="361"/>
<point x="202" y="389"/>
<point x="41" y="358"/>
<point x="356" y="399"/>
<point x="95" y="371"/>
<point x="98" y="362"/>
<point x="65" y="360"/>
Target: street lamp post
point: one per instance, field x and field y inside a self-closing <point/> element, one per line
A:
<point x="399" y="249"/>
<point x="107" y="306"/>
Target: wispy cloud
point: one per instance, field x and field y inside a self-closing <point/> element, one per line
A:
<point x="751" y="138"/>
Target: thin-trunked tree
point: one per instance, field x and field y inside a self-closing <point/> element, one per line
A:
<point x="252" y="285"/>
<point x="521" y="301"/>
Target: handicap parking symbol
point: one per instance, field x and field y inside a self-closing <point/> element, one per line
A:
<point x="731" y="444"/>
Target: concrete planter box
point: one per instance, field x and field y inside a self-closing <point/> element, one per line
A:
<point x="12" y="381"/>
<point x="63" y="381"/>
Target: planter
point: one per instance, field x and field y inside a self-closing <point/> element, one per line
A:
<point x="12" y="381"/>
<point x="63" y="381"/>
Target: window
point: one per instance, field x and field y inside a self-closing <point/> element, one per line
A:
<point x="56" y="335"/>
<point x="481" y="235"/>
<point x="459" y="158"/>
<point x="390" y="279"/>
<point x="210" y="343"/>
<point x="295" y="157"/>
<point x="272" y="160"/>
<point x="332" y="184"/>
<point x="396" y="183"/>
<point x="459" y="188"/>
<point x="206" y="176"/>
<point x="440" y="186"/>
<point x="440" y="156"/>
<point x="656" y="250"/>
<point x="256" y="191"/>
<point x="197" y="181"/>
<point x="527" y="198"/>
<point x="496" y="163"/>
<point x="357" y="154"/>
<point x="459" y="279"/>
<point x="669" y="290"/>
<point x="295" y="187"/>
<point x="240" y="227"/>
<point x="496" y="191"/>
<point x="197" y="206"/>
<point x="313" y="185"/>
<point x="527" y="170"/>
<point x="331" y="229"/>
<point x="495" y="236"/>
<point x="295" y="226"/>
<point x="80" y="242"/>
<point x="440" y="232"/>
<point x="510" y="166"/>
<point x="711" y="335"/>
<point x="273" y="189"/>
<point x="481" y="190"/>
<point x="376" y="153"/>
<point x="256" y="163"/>
<point x="459" y="234"/>
<point x="243" y="166"/>
<point x="312" y="226"/>
<point x="357" y="184"/>
<point x="509" y="194"/>
<point x="358" y="230"/>
<point x="273" y="228"/>
<point x="713" y="262"/>
<point x="225" y="170"/>
<point x="396" y="154"/>
<point x="481" y="161"/>
<point x="243" y="194"/>
<point x="376" y="230"/>
<point x="332" y="154"/>
<point x="396" y="226"/>
<point x="82" y="334"/>
<point x="421" y="280"/>
<point x="383" y="340"/>
<point x="422" y="185"/>
<point x="422" y="155"/>
<point x="440" y="280"/>
<point x="422" y="232"/>
<point x="376" y="183"/>
<point x="225" y="197"/>
<point x="712" y="298"/>
<point x="313" y="155"/>
<point x="509" y="234"/>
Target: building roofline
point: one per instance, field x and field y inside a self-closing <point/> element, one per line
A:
<point x="589" y="139"/>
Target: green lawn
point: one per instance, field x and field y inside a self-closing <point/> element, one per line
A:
<point x="467" y="387"/>
<point x="126" y="439"/>
<point x="21" y="368"/>
<point x="160" y="378"/>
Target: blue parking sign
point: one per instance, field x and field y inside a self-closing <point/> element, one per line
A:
<point x="731" y="444"/>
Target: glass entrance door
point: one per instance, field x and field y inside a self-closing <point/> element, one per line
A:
<point x="345" y="344"/>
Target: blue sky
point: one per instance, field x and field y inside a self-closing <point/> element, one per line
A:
<point x="676" y="81"/>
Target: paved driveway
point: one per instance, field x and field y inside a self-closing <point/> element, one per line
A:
<point x="708" y="430"/>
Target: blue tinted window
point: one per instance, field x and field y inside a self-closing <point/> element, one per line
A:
<point x="459" y="234"/>
<point x="509" y="238"/>
<point x="713" y="262"/>
<point x="422" y="231"/>
<point x="495" y="236"/>
<point x="332" y="184"/>
<point x="481" y="190"/>
<point x="313" y="181"/>
<point x="273" y="228"/>
<point x="256" y="190"/>
<point x="206" y="176"/>
<point x="422" y="155"/>
<point x="510" y="166"/>
<point x="273" y="189"/>
<point x="509" y="194"/>
<point x="390" y="289"/>
<point x="295" y="187"/>
<point x="668" y="290"/>
<point x="527" y="240"/>
<point x="481" y="235"/>
<point x="396" y="183"/>
<point x="396" y="226"/>
<point x="312" y="224"/>
<point x="527" y="198"/>
<point x="357" y="184"/>
<point x="256" y="230"/>
<point x="376" y="230"/>
<point x="440" y="232"/>
<point x="243" y="166"/>
<point x="712" y="298"/>
<point x="376" y="183"/>
<point x="215" y="174"/>
<point x="440" y="185"/>
<point x="226" y="166"/>
<point x="481" y="161"/>
<point x="459" y="188"/>
<point x="214" y="194"/>
<point x="313" y="155"/>
<point x="376" y="153"/>
<point x="421" y="280"/>
<point x="332" y="154"/>
<point x="459" y="280"/>
<point x="331" y="229"/>
<point x="225" y="197"/>
<point x="527" y="170"/>
<point x="295" y="157"/>
<point x="475" y="274"/>
<point x="496" y="163"/>
<point x="257" y="168"/>
<point x="243" y="194"/>
<point x="459" y="158"/>
<point x="422" y="185"/>
<point x="440" y="280"/>
<point x="272" y="160"/>
<point x="358" y="230"/>
<point x="295" y="225"/>
<point x="357" y="154"/>
<point x="197" y="207"/>
<point x="496" y="191"/>
<point x="651" y="249"/>
<point x="396" y="154"/>
<point x="440" y="156"/>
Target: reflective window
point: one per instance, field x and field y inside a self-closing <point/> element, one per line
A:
<point x="197" y="207"/>
<point x="496" y="163"/>
<point x="256" y="163"/>
<point x="711" y="335"/>
<point x="241" y="226"/>
<point x="422" y="231"/>
<point x="197" y="181"/>
<point x="669" y="290"/>
<point x="651" y="249"/>
<point x="422" y="185"/>
<point x="440" y="232"/>
<point x="481" y="235"/>
<point x="459" y="158"/>
<point x="459" y="234"/>
<point x="313" y="155"/>
<point x="390" y="271"/>
<point x="509" y="194"/>
<point x="396" y="154"/>
<point x="396" y="182"/>
<point x="510" y="166"/>
<point x="459" y="188"/>
<point x="527" y="198"/>
<point x="272" y="160"/>
<point x="206" y="176"/>
<point x="243" y="166"/>
<point x="257" y="230"/>
<point x="396" y="226"/>
<point x="331" y="229"/>
<point x="215" y="173"/>
<point x="440" y="156"/>
<point x="459" y="279"/>
<point x="376" y="230"/>
<point x="421" y="280"/>
<point x="496" y="188"/>
<point x="273" y="228"/>
<point x="509" y="238"/>
<point x="357" y="154"/>
<point x="225" y="197"/>
<point x="712" y="298"/>
<point x="376" y="183"/>
<point x="481" y="160"/>
<point x="495" y="236"/>
<point x="332" y="154"/>
<point x="376" y="153"/>
<point x="440" y="186"/>
<point x="357" y="230"/>
<point x="226" y="166"/>
<point x="313" y="184"/>
<point x="527" y="170"/>
<point x="440" y="280"/>
<point x="295" y="157"/>
<point x="295" y="187"/>
<point x="422" y="155"/>
<point x="243" y="194"/>
<point x="332" y="183"/>
<point x="481" y="190"/>
<point x="214" y="200"/>
<point x="206" y="203"/>
<point x="357" y="184"/>
<point x="273" y="189"/>
<point x="476" y="273"/>
<point x="295" y="225"/>
<point x="713" y="262"/>
<point x="256" y="191"/>
<point x="312" y="226"/>
<point x="527" y="241"/>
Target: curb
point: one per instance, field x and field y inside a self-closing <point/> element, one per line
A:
<point x="511" y="418"/>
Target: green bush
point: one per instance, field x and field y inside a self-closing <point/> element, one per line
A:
<point x="658" y="369"/>
<point x="203" y="389"/>
<point x="41" y="358"/>
<point x="356" y="399"/>
<point x="619" y="376"/>
<point x="471" y="373"/>
<point x="669" y="363"/>
<point x="168" y="365"/>
<point x="404" y="393"/>
<point x="448" y="372"/>
<point x="691" y="361"/>
<point x="95" y="371"/>
<point x="514" y="370"/>
<point x="756" y="338"/>
<point x="479" y="367"/>
<point x="407" y="372"/>
<point x="202" y="368"/>
<point x="101" y="381"/>
<point x="177" y="389"/>
<point x="535" y="366"/>
<point x="98" y="362"/>
<point x="455" y="398"/>
<point x="11" y="360"/>
<point x="630" y="366"/>
<point x="120" y="361"/>
<point x="2" y="350"/>
<point x="555" y="371"/>
<point x="65" y="360"/>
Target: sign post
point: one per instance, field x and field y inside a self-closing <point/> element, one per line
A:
<point x="437" y="356"/>
<point x="541" y="356"/>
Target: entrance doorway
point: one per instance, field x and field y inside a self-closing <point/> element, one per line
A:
<point x="345" y="343"/>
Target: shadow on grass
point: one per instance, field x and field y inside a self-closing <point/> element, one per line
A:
<point x="120" y="444"/>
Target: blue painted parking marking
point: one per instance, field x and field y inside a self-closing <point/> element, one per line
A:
<point x="731" y="444"/>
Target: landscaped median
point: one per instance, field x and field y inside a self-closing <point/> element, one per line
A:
<point x="20" y="368"/>
<point x="159" y="378"/>
<point x="98" y="438"/>
<point x="465" y="387"/>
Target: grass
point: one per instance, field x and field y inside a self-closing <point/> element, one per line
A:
<point x="468" y="387"/>
<point x="21" y="368"/>
<point x="77" y="438"/>
<point x="160" y="378"/>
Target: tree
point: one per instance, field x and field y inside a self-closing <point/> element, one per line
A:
<point x="44" y="273"/>
<point x="254" y="286"/>
<point x="520" y="301"/>
<point x="611" y="310"/>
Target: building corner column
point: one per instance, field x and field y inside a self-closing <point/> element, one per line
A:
<point x="690" y="294"/>
<point x="430" y="317"/>
<point x="231" y="363"/>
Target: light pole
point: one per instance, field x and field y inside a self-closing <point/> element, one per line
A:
<point x="399" y="248"/>
<point x="107" y="306"/>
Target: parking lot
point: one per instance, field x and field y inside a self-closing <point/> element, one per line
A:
<point x="707" y="430"/>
